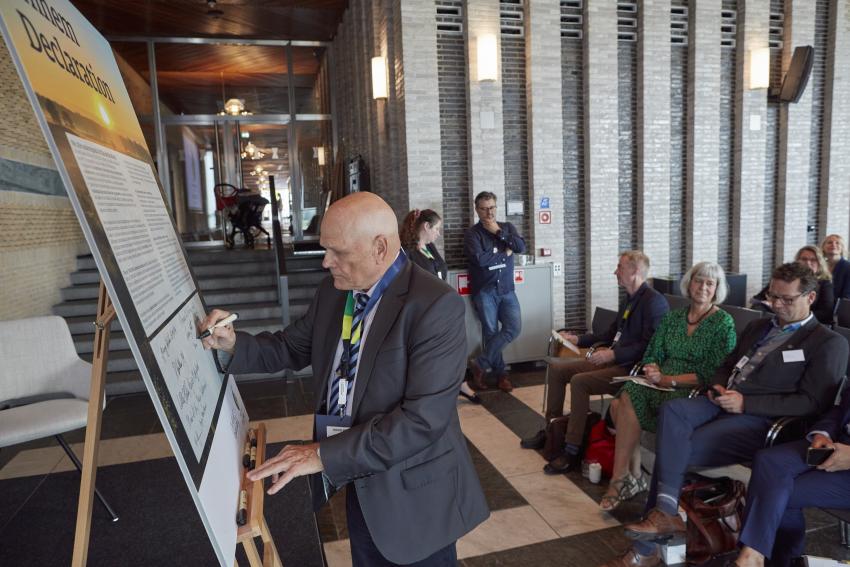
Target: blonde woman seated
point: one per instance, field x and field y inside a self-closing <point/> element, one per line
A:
<point x="689" y="344"/>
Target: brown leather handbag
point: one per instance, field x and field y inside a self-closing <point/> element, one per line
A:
<point x="715" y="511"/>
<point x="556" y="433"/>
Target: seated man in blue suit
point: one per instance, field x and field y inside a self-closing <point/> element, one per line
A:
<point x="783" y="484"/>
<point x="789" y="365"/>
<point x="628" y="336"/>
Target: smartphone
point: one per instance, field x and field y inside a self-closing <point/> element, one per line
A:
<point x="815" y="457"/>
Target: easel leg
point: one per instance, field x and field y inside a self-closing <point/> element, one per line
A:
<point x="105" y="314"/>
<point x="270" y="555"/>
<point x="252" y="553"/>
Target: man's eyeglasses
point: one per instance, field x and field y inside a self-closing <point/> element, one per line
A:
<point x="487" y="209"/>
<point x="784" y="299"/>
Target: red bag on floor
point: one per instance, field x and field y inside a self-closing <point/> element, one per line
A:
<point x="600" y="447"/>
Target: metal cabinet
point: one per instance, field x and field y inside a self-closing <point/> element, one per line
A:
<point x="534" y="291"/>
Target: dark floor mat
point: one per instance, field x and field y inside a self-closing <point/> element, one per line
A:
<point x="159" y="524"/>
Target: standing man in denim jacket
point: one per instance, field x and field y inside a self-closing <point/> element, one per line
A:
<point x="490" y="247"/>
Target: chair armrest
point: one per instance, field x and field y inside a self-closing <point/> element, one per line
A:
<point x="786" y="429"/>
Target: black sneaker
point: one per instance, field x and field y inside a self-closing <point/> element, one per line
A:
<point x="562" y="464"/>
<point x="536" y="441"/>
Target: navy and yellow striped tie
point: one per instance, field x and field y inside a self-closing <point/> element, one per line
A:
<point x="361" y="299"/>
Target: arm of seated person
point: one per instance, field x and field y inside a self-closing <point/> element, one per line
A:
<point x="654" y="375"/>
<point x="840" y="458"/>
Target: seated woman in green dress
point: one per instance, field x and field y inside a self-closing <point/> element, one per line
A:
<point x="689" y="344"/>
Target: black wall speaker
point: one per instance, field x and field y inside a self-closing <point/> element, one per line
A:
<point x="797" y="77"/>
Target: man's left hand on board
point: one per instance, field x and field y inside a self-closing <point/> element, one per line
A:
<point x="292" y="461"/>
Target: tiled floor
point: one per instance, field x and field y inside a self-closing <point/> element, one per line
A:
<point x="535" y="519"/>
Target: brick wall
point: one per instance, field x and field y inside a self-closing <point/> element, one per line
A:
<point x="817" y="85"/>
<point x="703" y="134"/>
<point x="600" y="152"/>
<point x="750" y="125"/>
<point x="373" y="129"/>
<point x="653" y="115"/>
<point x="575" y="227"/>
<point x="545" y="142"/>
<point x="835" y="176"/>
<point x="678" y="148"/>
<point x="454" y="151"/>
<point x="41" y="235"/>
<point x="795" y="129"/>
<point x="726" y="156"/>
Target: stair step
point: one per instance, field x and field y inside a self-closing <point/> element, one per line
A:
<point x="209" y="283"/>
<point x="241" y="268"/>
<point x="84" y="341"/>
<point x="130" y="381"/>
<point x="304" y="262"/>
<point x="260" y="310"/>
<point x="245" y="293"/>
<point x="201" y="257"/>
<point x="307" y="277"/>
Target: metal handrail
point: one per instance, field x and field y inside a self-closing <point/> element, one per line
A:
<point x="280" y="257"/>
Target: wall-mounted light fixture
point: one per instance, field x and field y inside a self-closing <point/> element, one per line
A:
<point x="759" y="68"/>
<point x="380" y="89"/>
<point x="488" y="60"/>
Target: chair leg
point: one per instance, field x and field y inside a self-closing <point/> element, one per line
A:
<point x="79" y="466"/>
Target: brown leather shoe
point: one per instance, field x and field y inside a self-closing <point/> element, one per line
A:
<point x="505" y="384"/>
<point x="656" y="526"/>
<point x="477" y="381"/>
<point x="632" y="558"/>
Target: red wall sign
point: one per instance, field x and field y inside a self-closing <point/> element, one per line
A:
<point x="463" y="284"/>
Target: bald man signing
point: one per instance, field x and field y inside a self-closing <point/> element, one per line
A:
<point x="387" y="344"/>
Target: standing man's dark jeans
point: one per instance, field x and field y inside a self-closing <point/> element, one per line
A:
<point x="782" y="484"/>
<point x="494" y="309"/>
<point x="364" y="552"/>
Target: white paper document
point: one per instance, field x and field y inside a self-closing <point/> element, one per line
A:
<point x="190" y="372"/>
<point x="219" y="492"/>
<point x="564" y="342"/>
<point x="130" y="207"/>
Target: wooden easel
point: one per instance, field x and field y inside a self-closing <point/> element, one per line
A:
<point x="105" y="315"/>
<point x="256" y="525"/>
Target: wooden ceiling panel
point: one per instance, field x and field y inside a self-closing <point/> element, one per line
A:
<point x="311" y="20"/>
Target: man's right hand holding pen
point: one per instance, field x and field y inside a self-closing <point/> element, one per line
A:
<point x="221" y="338"/>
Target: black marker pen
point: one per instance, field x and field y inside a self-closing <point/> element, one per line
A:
<point x="242" y="514"/>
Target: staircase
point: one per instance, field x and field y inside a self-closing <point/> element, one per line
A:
<point x="244" y="281"/>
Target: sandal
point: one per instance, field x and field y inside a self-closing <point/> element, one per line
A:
<point x="627" y="488"/>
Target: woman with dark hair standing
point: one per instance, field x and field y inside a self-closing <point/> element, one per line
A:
<point x="419" y="230"/>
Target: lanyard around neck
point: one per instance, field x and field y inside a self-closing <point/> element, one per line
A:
<point x="348" y="313"/>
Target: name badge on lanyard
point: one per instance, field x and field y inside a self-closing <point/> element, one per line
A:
<point x="343" y="393"/>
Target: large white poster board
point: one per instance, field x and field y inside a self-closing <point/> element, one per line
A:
<point x="73" y="82"/>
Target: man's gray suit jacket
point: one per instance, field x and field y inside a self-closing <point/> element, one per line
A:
<point x="795" y="388"/>
<point x="405" y="452"/>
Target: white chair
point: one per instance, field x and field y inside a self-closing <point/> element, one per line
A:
<point x="44" y="385"/>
